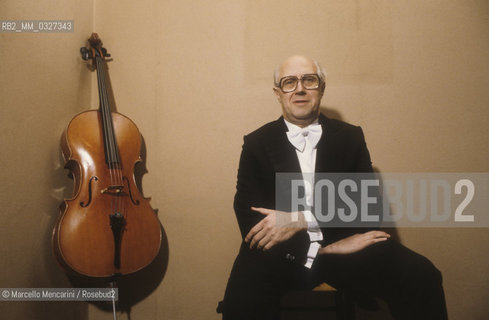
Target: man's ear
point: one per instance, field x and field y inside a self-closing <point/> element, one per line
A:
<point x="277" y="92"/>
<point x="322" y="88"/>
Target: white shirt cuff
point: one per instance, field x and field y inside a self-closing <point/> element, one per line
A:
<point x="313" y="229"/>
<point x="312" y="254"/>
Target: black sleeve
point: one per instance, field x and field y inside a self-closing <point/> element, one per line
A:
<point x="256" y="188"/>
<point x="363" y="161"/>
<point x="364" y="165"/>
<point x="357" y="162"/>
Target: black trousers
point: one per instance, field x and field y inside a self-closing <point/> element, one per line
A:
<point x="409" y="283"/>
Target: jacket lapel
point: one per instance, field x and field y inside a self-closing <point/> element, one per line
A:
<point x="280" y="151"/>
<point x="326" y="146"/>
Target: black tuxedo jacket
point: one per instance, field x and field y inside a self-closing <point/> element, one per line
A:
<point x="267" y="151"/>
<point x="259" y="279"/>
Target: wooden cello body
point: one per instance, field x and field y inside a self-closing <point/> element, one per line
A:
<point x="107" y="228"/>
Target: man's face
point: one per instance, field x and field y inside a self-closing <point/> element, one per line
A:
<point x="301" y="106"/>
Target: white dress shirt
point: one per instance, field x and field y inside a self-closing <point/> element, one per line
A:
<point x="305" y="140"/>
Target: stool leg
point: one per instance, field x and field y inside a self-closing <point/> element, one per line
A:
<point x="345" y="305"/>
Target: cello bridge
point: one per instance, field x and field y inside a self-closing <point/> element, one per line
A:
<point x="115" y="189"/>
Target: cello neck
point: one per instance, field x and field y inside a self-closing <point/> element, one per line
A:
<point x="112" y="157"/>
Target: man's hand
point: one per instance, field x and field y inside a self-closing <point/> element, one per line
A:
<point x="276" y="227"/>
<point x="354" y="243"/>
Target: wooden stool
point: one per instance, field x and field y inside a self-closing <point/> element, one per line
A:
<point x="323" y="302"/>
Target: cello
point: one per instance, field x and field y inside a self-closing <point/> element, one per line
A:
<point x="107" y="228"/>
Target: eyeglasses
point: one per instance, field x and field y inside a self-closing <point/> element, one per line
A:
<point x="308" y="81"/>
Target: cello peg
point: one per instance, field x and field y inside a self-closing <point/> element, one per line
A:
<point x="85" y="53"/>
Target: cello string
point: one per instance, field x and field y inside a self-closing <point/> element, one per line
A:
<point x="115" y="161"/>
<point x="106" y="130"/>
<point x="110" y="140"/>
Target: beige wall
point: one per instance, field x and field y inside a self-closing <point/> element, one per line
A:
<point x="195" y="76"/>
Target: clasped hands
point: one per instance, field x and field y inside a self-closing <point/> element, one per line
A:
<point x="280" y="226"/>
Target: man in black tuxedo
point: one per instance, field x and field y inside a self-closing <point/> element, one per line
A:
<point x="283" y="251"/>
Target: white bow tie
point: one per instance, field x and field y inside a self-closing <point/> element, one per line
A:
<point x="298" y="137"/>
